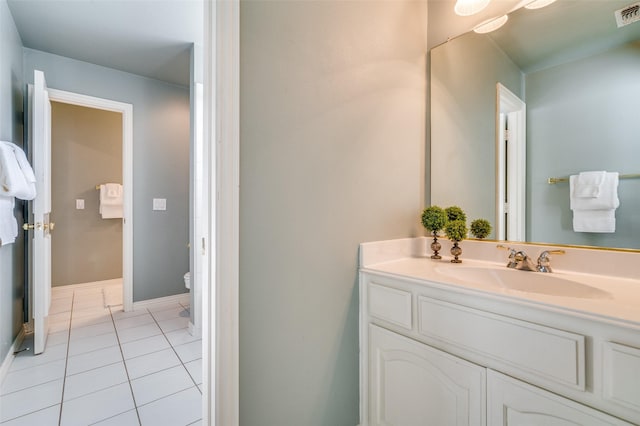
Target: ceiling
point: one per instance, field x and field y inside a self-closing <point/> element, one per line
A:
<point x="565" y="30"/>
<point x="151" y="38"/>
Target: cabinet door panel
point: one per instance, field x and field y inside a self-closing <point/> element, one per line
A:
<point x="514" y="403"/>
<point x="412" y="384"/>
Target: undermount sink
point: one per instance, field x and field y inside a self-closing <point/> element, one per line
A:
<point x="524" y="281"/>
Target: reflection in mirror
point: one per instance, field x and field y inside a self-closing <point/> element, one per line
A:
<point x="578" y="75"/>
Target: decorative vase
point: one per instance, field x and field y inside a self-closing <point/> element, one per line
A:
<point x="435" y="246"/>
<point x="455" y="252"/>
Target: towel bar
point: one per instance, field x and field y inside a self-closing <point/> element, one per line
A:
<point x="553" y="180"/>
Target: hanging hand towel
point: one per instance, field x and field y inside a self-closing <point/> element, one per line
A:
<point x="111" y="201"/>
<point x="595" y="214"/>
<point x="8" y="222"/>
<point x="607" y="196"/>
<point x="16" y="175"/>
<point x="588" y="184"/>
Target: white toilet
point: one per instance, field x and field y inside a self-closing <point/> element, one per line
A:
<point x="187" y="280"/>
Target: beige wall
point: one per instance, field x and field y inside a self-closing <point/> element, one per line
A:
<point x="86" y="151"/>
<point x="332" y="130"/>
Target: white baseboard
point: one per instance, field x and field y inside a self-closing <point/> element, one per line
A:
<point x="183" y="298"/>
<point x="6" y="363"/>
<point x="195" y="331"/>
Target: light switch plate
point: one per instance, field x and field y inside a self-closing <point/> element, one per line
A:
<point x="79" y="204"/>
<point x="160" y="204"/>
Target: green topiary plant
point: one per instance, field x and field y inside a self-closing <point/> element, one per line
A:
<point x="480" y="228"/>
<point x="456" y="230"/>
<point x="434" y="219"/>
<point x="455" y="213"/>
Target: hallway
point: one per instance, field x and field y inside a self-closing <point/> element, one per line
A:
<point x="107" y="367"/>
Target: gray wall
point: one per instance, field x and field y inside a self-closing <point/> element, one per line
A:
<point x="332" y="116"/>
<point x="572" y="130"/>
<point x="464" y="73"/>
<point x="11" y="255"/>
<point x="86" y="151"/>
<point x="161" y="163"/>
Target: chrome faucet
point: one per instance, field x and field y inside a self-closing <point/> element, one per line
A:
<point x="521" y="261"/>
<point x="544" y="261"/>
<point x="518" y="259"/>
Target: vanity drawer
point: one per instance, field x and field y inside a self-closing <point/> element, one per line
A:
<point x="621" y="375"/>
<point x="390" y="304"/>
<point x="519" y="348"/>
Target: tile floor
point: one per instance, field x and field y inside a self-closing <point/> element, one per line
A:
<point x="104" y="366"/>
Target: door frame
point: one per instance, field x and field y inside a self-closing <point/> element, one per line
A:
<point x="220" y="295"/>
<point x="127" y="177"/>
<point x="511" y="166"/>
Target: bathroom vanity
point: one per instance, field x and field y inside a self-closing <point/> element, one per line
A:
<point x="480" y="344"/>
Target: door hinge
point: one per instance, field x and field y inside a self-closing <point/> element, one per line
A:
<point x="507" y="135"/>
<point x="204" y="246"/>
<point x="506" y="207"/>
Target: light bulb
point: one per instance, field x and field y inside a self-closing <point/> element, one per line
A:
<point x="469" y="7"/>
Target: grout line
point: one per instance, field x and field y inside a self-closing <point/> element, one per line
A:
<point x="124" y="362"/>
<point x="174" y="350"/>
<point x="66" y="361"/>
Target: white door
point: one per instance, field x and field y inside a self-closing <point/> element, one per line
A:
<point x="41" y="149"/>
<point x="412" y="384"/>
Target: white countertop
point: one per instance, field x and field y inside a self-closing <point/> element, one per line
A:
<point x="611" y="297"/>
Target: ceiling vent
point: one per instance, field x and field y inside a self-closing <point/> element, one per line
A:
<point x="628" y="15"/>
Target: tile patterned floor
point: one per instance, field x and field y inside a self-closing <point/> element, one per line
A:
<point x="103" y="366"/>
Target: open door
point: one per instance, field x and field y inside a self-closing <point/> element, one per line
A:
<point x="41" y="247"/>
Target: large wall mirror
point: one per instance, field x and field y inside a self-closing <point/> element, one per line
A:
<point x="579" y="77"/>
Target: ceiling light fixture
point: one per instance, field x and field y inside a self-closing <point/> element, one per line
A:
<point x="491" y="25"/>
<point x="538" y="4"/>
<point x="469" y="7"/>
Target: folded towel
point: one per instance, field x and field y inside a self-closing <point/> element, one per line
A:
<point x="606" y="199"/>
<point x="111" y="212"/>
<point x="594" y="221"/>
<point x="16" y="175"/>
<point x="111" y="201"/>
<point x="8" y="222"/>
<point x="111" y="194"/>
<point x="588" y="184"/>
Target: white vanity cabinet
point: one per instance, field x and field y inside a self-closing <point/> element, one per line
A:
<point x="511" y="402"/>
<point x="434" y="355"/>
<point x="411" y="383"/>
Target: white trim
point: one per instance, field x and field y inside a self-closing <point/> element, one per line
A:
<point x="220" y="328"/>
<point x="182" y="298"/>
<point x="6" y="364"/>
<point x="511" y="106"/>
<point x="127" y="177"/>
<point x="101" y="283"/>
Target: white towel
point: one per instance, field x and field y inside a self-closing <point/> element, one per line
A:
<point x="111" y="201"/>
<point x="602" y="221"/>
<point x="595" y="214"/>
<point x="8" y="222"/>
<point x="16" y="175"/>
<point x="607" y="196"/>
<point x="588" y="184"/>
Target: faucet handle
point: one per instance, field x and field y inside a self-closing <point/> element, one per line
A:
<point x="544" y="260"/>
<point x="512" y="256"/>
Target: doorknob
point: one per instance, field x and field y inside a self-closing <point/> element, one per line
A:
<point x="28" y="226"/>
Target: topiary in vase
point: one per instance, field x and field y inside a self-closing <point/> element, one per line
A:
<point x="456" y="231"/>
<point x="434" y="219"/>
<point x="455" y="213"/>
<point x="480" y="228"/>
